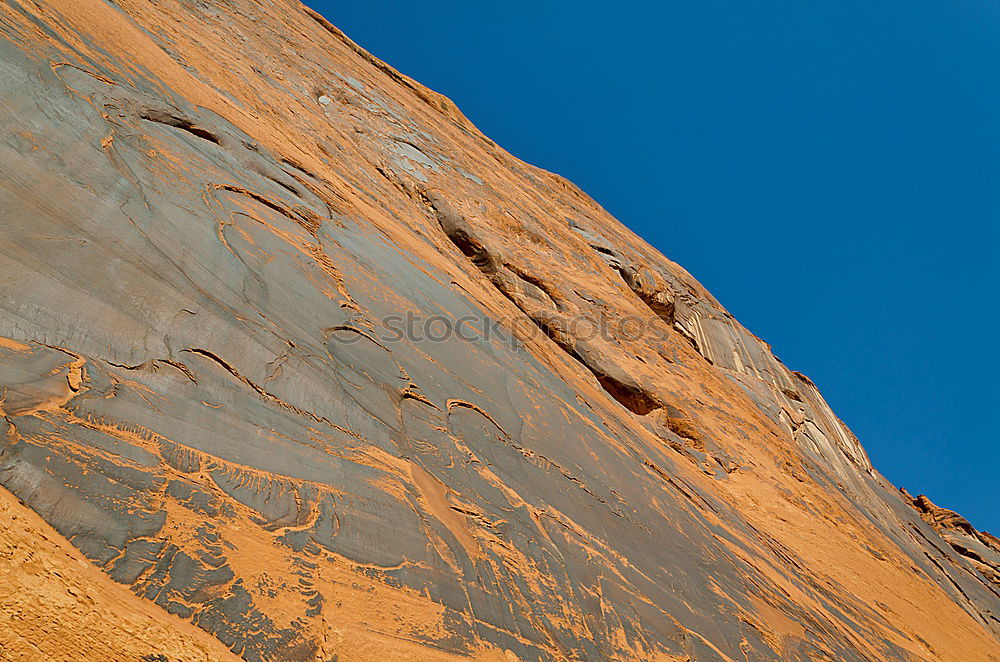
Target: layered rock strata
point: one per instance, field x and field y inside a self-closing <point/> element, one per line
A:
<point x="312" y="369"/>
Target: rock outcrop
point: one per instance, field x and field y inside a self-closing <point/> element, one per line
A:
<point x="307" y="367"/>
<point x="979" y="548"/>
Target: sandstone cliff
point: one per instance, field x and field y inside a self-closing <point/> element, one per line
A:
<point x="216" y="219"/>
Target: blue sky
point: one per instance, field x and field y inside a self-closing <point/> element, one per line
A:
<point x="829" y="170"/>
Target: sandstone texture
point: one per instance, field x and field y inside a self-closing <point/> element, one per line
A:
<point x="214" y="436"/>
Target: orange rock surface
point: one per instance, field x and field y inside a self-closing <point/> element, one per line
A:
<point x="57" y="606"/>
<point x="308" y="368"/>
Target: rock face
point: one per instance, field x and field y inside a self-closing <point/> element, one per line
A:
<point x="56" y="606"/>
<point x="297" y="356"/>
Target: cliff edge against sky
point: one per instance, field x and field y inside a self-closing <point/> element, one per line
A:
<point x="295" y="362"/>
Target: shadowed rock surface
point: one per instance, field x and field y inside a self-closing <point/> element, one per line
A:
<point x="218" y="216"/>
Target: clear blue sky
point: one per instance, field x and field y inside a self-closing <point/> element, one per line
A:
<point x="830" y="170"/>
